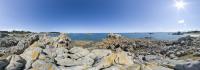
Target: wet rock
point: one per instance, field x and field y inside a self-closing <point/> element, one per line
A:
<point x="171" y="63"/>
<point x="16" y="63"/>
<point x="3" y="64"/>
<point x="188" y="66"/>
<point x="153" y="67"/>
<point x="2" y="35"/>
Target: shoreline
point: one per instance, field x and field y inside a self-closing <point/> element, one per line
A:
<point x="112" y="52"/>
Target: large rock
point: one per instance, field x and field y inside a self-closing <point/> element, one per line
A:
<point x="42" y="65"/>
<point x="8" y="42"/>
<point x="115" y="58"/>
<point x="3" y="64"/>
<point x="99" y="53"/>
<point x="16" y="63"/>
<point x="63" y="41"/>
<point x="77" y="52"/>
<point x="31" y="54"/>
<point x="73" y="68"/>
<point x="114" y="36"/>
<point x="151" y="57"/>
<point x="189" y="66"/>
<point x="67" y="61"/>
<point x="153" y="67"/>
<point x="23" y="44"/>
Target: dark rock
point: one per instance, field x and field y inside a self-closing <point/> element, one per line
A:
<point x="114" y="36"/>
<point x="3" y="64"/>
<point x="8" y="42"/>
<point x="188" y="66"/>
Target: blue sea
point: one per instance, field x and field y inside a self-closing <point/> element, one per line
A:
<point x="100" y="36"/>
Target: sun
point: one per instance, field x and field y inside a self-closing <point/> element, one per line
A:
<point x="180" y="4"/>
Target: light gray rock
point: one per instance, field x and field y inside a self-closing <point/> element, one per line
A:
<point x="23" y="44"/>
<point x="99" y="53"/>
<point x="152" y="57"/>
<point x="63" y="61"/>
<point x="180" y="53"/>
<point x="42" y="65"/>
<point x="114" y="36"/>
<point x="77" y="52"/>
<point x="196" y="54"/>
<point x="16" y="63"/>
<point x="113" y="68"/>
<point x="8" y="42"/>
<point x="51" y="52"/>
<point x="30" y="55"/>
<point x="73" y="68"/>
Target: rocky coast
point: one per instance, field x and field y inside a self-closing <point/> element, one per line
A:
<point x="39" y="51"/>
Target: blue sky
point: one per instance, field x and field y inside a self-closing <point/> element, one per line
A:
<point x="98" y="15"/>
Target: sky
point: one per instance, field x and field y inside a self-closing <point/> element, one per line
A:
<point x="96" y="16"/>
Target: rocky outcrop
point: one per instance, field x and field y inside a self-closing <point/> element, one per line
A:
<point x="115" y="58"/>
<point x="3" y="63"/>
<point x="21" y="45"/>
<point x="114" y="36"/>
<point x="16" y="63"/>
<point x="8" y="42"/>
<point x="43" y="52"/>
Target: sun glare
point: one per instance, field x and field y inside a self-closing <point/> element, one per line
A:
<point x="180" y="4"/>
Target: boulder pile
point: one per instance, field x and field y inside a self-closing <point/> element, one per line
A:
<point x="43" y="52"/>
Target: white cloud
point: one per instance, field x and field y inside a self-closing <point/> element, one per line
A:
<point x="182" y="21"/>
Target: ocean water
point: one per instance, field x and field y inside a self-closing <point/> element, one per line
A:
<point x="100" y="36"/>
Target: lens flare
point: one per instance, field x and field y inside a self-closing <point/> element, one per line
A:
<point x="180" y="4"/>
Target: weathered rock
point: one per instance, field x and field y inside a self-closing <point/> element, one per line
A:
<point x="99" y="53"/>
<point x="30" y="55"/>
<point x="66" y="61"/>
<point x="63" y="41"/>
<point x="153" y="67"/>
<point x="16" y="63"/>
<point x="77" y="52"/>
<point x="171" y="63"/>
<point x="180" y="53"/>
<point x="116" y="58"/>
<point x="114" y="36"/>
<point x="3" y="64"/>
<point x="8" y="42"/>
<point x="23" y="44"/>
<point x="152" y="58"/>
<point x="42" y="65"/>
<point x="74" y="68"/>
<point x="116" y="67"/>
<point x="188" y="66"/>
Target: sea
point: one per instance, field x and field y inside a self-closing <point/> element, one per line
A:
<point x="100" y="36"/>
